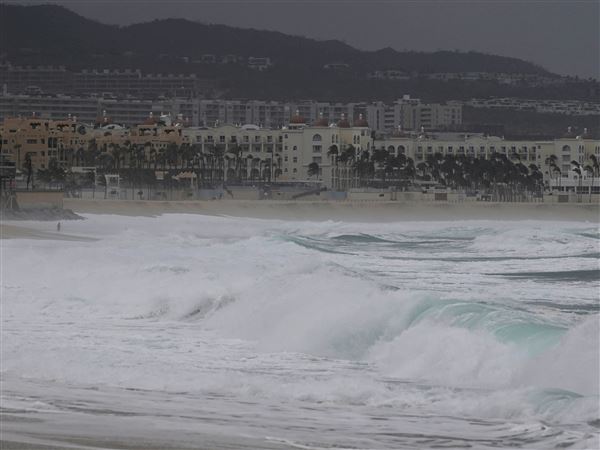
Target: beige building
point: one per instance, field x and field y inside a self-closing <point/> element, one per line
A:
<point x="285" y="153"/>
<point x="41" y="140"/>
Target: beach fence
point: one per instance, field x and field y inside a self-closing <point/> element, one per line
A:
<point x="308" y="193"/>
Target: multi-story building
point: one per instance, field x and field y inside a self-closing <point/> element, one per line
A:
<point x="59" y="80"/>
<point x="410" y="114"/>
<point x="570" y="107"/>
<point x="288" y="152"/>
<point x="40" y="140"/>
<point x="50" y="79"/>
<point x="273" y="114"/>
<point x="555" y="159"/>
<point x="125" y="111"/>
<point x="53" y="107"/>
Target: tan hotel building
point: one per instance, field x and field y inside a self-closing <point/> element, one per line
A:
<point x="290" y="149"/>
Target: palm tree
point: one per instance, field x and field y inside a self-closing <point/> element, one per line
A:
<point x="116" y="153"/>
<point x="17" y="150"/>
<point x="29" y="167"/>
<point x="91" y="156"/>
<point x="79" y="156"/>
<point x="380" y="157"/>
<point x="576" y="167"/>
<point x="594" y="169"/>
<point x="313" y="169"/>
<point x="236" y="153"/>
<point x="551" y="163"/>
<point x="171" y="155"/>
<point x="589" y="170"/>
<point x="127" y="154"/>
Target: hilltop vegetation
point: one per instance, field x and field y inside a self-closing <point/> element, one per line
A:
<point x="54" y="35"/>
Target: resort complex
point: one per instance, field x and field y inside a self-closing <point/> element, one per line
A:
<point x="336" y="155"/>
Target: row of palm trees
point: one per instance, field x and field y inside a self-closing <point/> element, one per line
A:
<point x="592" y="170"/>
<point x="504" y="179"/>
<point x="212" y="164"/>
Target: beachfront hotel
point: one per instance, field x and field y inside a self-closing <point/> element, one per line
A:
<point x="288" y="152"/>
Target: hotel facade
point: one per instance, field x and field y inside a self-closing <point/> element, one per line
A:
<point x="289" y="150"/>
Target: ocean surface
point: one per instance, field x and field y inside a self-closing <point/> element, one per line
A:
<point x="259" y="333"/>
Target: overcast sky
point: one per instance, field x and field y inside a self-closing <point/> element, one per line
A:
<point x="560" y="35"/>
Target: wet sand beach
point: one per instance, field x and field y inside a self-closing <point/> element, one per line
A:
<point x="357" y="211"/>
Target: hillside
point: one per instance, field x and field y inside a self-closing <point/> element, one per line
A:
<point x="49" y="33"/>
<point x="54" y="35"/>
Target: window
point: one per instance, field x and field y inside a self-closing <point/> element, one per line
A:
<point x="222" y="139"/>
<point x="256" y="138"/>
<point x="285" y="170"/>
<point x="32" y="141"/>
<point x="295" y="148"/>
<point x="295" y="159"/>
<point x="317" y="149"/>
<point x="317" y="138"/>
<point x="246" y="139"/>
<point x="285" y="158"/>
<point x="295" y="170"/>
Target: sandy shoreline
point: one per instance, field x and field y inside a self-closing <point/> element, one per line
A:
<point x="314" y="211"/>
<point x="68" y="430"/>
<point x="10" y="231"/>
<point x="345" y="211"/>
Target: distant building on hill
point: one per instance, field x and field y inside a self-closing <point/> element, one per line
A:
<point x="411" y="114"/>
<point x="59" y="80"/>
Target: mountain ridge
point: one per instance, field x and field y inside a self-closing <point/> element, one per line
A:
<point x="55" y="32"/>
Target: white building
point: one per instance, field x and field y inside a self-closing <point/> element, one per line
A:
<point x="410" y="114"/>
